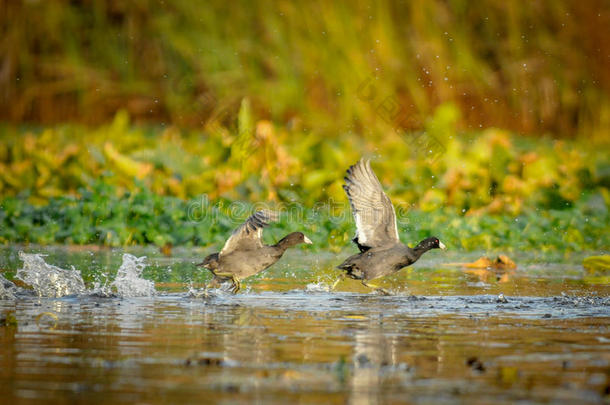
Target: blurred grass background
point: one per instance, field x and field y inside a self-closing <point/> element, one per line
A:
<point x="471" y="111"/>
<point x="532" y="67"/>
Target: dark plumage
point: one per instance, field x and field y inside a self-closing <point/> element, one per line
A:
<point x="381" y="252"/>
<point x="244" y="253"/>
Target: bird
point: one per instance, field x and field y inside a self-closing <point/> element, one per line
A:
<point x="381" y="252"/>
<point x="244" y="253"/>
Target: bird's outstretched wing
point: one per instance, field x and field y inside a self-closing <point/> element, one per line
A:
<point x="249" y="235"/>
<point x="372" y="209"/>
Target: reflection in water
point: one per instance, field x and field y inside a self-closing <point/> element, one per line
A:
<point x="369" y="353"/>
<point x="277" y="348"/>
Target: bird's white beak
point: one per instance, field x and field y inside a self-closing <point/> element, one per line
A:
<point x="307" y="240"/>
<point x="441" y="245"/>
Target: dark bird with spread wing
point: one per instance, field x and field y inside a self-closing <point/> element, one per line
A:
<point x="244" y="253"/>
<point x="381" y="252"/>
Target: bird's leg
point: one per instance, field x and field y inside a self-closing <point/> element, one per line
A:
<point x="338" y="280"/>
<point x="236" y="284"/>
<point x="376" y="287"/>
<point x="222" y="277"/>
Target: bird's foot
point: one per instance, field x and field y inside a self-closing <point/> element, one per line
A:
<point x="236" y="285"/>
<point x="337" y="281"/>
<point x="376" y="288"/>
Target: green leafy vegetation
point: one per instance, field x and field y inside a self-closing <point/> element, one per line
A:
<point x="103" y="216"/>
<point x="175" y="108"/>
<point x="122" y="184"/>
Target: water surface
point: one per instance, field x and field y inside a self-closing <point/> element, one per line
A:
<point x="445" y="337"/>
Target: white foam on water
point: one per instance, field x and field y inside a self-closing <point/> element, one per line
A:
<point x="128" y="282"/>
<point x="48" y="280"/>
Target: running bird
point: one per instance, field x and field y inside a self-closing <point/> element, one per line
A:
<point x="244" y="253"/>
<point x="381" y="252"/>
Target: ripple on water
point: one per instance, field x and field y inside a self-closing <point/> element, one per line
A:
<point x="286" y="338"/>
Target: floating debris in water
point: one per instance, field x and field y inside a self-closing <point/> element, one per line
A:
<point x="128" y="282"/>
<point x="210" y="359"/>
<point x="475" y="364"/>
<point x="502" y="262"/>
<point x="48" y="280"/>
<point x="8" y="319"/>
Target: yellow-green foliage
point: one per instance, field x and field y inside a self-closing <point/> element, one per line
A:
<point x="597" y="264"/>
<point x="490" y="171"/>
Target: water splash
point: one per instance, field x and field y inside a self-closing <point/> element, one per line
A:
<point x="128" y="282"/>
<point x="52" y="281"/>
<point x="48" y="280"/>
<point x="199" y="292"/>
<point x="7" y="289"/>
<point x="319" y="286"/>
<point x="222" y="291"/>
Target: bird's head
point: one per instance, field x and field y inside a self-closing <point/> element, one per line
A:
<point x="210" y="262"/>
<point x="294" y="239"/>
<point x="431" y="243"/>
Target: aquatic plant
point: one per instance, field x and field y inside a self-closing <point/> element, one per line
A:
<point x="103" y="215"/>
<point x="491" y="171"/>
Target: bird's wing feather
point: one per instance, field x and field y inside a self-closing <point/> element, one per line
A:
<point x="372" y="209"/>
<point x="248" y="236"/>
